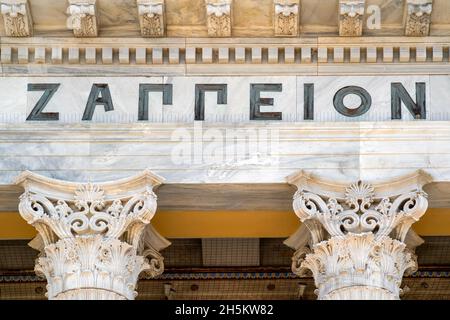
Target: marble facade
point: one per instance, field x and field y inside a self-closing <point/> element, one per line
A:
<point x="71" y="98"/>
<point x="96" y="237"/>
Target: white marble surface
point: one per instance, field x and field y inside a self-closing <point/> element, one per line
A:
<point x="114" y="145"/>
<point x="346" y="152"/>
<point x="71" y="98"/>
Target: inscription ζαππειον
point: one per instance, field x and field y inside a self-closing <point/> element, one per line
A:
<point x="101" y="94"/>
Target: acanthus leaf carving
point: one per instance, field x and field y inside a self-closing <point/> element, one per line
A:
<point x="152" y="17"/>
<point x="93" y="239"/>
<point x="80" y="263"/>
<point x="219" y="17"/>
<point x="418" y="17"/>
<point x="351" y="14"/>
<point x="83" y="18"/>
<point x="359" y="260"/>
<point x="17" y="18"/>
<point x="358" y="234"/>
<point x="286" y="17"/>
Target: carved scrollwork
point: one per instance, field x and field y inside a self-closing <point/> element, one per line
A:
<point x="88" y="213"/>
<point x="297" y="262"/>
<point x="358" y="234"/>
<point x="93" y="240"/>
<point x="358" y="212"/>
<point x="156" y="262"/>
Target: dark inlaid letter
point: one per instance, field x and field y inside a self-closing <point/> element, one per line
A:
<point x="49" y="90"/>
<point x="99" y="95"/>
<point x="399" y="94"/>
<point x="256" y="101"/>
<point x="144" y="89"/>
<point x="200" y="90"/>
<point x="308" y="110"/>
<point x="366" y="101"/>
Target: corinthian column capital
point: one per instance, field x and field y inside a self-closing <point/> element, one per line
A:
<point x="92" y="234"/>
<point x="357" y="233"/>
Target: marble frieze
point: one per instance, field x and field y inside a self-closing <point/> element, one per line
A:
<point x="223" y="99"/>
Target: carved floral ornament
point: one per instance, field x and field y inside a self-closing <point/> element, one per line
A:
<point x="420" y="7"/>
<point x="17" y="18"/>
<point x="218" y="13"/>
<point x="352" y="8"/>
<point x="286" y="19"/>
<point x="82" y="18"/>
<point x="418" y="17"/>
<point x="150" y="8"/>
<point x="97" y="238"/>
<point x="218" y="8"/>
<point x="360" y="212"/>
<point x="151" y="17"/>
<point x="356" y="246"/>
<point x="14" y="9"/>
<point x="351" y="14"/>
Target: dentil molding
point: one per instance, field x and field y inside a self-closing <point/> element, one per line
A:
<point x="243" y="56"/>
<point x="357" y="248"/>
<point x="93" y="237"/>
<point x="17" y="18"/>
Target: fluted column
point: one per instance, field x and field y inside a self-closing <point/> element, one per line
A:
<point x="356" y="247"/>
<point x="94" y="238"/>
